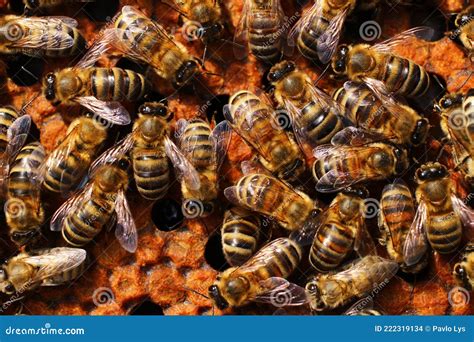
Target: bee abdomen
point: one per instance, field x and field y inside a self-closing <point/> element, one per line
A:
<point x="444" y="232"/>
<point x="321" y="124"/>
<point x="197" y="145"/>
<point x="151" y="172"/>
<point x="7" y="117"/>
<point x="307" y="39"/>
<point x="67" y="173"/>
<point x="79" y="43"/>
<point x="263" y="36"/>
<point x="406" y="77"/>
<point x="115" y="84"/>
<point x="280" y="257"/>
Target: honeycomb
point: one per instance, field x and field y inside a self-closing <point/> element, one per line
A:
<point x="171" y="269"/>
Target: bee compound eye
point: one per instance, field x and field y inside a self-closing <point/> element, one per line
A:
<point x="459" y="270"/>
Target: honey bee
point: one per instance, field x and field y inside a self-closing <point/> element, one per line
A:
<point x="400" y="75"/>
<point x="271" y="197"/>
<point x="260" y="28"/>
<point x="97" y="89"/>
<point x="457" y="123"/>
<point x="261" y="278"/>
<point x="318" y="31"/>
<point x="86" y="213"/>
<point x="33" y="6"/>
<point x="255" y="122"/>
<point x="240" y="233"/>
<point x="146" y="144"/>
<point x="315" y="117"/>
<point x="373" y="109"/>
<point x="44" y="267"/>
<point x="440" y="216"/>
<point x="69" y="162"/>
<point x="38" y="37"/>
<point x="197" y="161"/>
<point x="354" y="157"/>
<point x="144" y="40"/>
<point x="465" y="29"/>
<point x="330" y="291"/>
<point x="342" y="229"/>
<point x="23" y="209"/>
<point x="396" y="214"/>
<point x="464" y="270"/>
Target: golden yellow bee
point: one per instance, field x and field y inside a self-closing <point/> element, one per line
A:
<point x="44" y="267"/>
<point x="261" y="278"/>
<point x="100" y="203"/>
<point x="315" y="117"/>
<point x="440" y="216"/>
<point x="255" y="122"/>
<point x="372" y="108"/>
<point x="464" y="270"/>
<point x="329" y="291"/>
<point x="354" y="157"/>
<point x="23" y="209"/>
<point x="400" y="75"/>
<point x="318" y="31"/>
<point x="196" y="161"/>
<point x="97" y="89"/>
<point x="465" y="29"/>
<point x="38" y="37"/>
<point x="457" y="123"/>
<point x="271" y="197"/>
<point x="33" y="6"/>
<point x="396" y="215"/>
<point x="69" y="162"/>
<point x="144" y="40"/>
<point x="342" y="230"/>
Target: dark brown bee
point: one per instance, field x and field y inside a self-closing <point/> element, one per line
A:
<point x="464" y="270"/>
<point x="465" y="29"/>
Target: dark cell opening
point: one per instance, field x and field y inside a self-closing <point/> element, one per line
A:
<point x="101" y="10"/>
<point x="25" y="70"/>
<point x="128" y="64"/>
<point x="213" y="253"/>
<point x="436" y="21"/>
<point x="215" y="108"/>
<point x="166" y="214"/>
<point x="17" y="6"/>
<point x="147" y="308"/>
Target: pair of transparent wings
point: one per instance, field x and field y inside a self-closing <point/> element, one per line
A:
<point x="16" y="135"/>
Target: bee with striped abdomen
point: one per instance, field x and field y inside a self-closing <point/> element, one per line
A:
<point x="101" y="203"/>
<point x="69" y="162"/>
<point x="261" y="278"/>
<point x="373" y="109"/>
<point x="241" y="232"/>
<point x="465" y="29"/>
<point x="355" y="157"/>
<point x="151" y="169"/>
<point x="396" y="214"/>
<point x="342" y="230"/>
<point x="97" y="89"/>
<point x="318" y="31"/>
<point x="38" y="37"/>
<point x="464" y="270"/>
<point x="457" y="123"/>
<point x="440" y="216"/>
<point x="23" y="209"/>
<point x="144" y="40"/>
<point x="196" y="161"/>
<point x="259" y="28"/>
<point x="330" y="291"/>
<point x="315" y="117"/>
<point x="400" y="75"/>
<point x="255" y="122"/>
<point x="271" y="197"/>
<point x="44" y="267"/>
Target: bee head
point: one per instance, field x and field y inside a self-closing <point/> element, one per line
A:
<point x="210" y="33"/>
<point x="431" y="171"/>
<point x="339" y="62"/>
<point x="89" y="131"/>
<point x="401" y="160"/>
<point x="449" y="101"/>
<point x="420" y="133"/>
<point x="216" y="296"/>
<point x="31" y="4"/>
<point x="314" y="295"/>
<point x="460" y="274"/>
<point x="464" y="18"/>
<point x="280" y="70"/>
<point x="5" y="286"/>
<point x="155" y="109"/>
<point x="186" y="72"/>
<point x="49" y="85"/>
<point x="22" y="238"/>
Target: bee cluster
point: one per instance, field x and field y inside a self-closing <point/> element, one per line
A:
<point x="374" y="140"/>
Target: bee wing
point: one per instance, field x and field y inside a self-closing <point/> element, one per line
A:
<point x="465" y="213"/>
<point x="126" y="230"/>
<point x="364" y="244"/>
<point x="241" y="33"/>
<point x="300" y="130"/>
<point x="280" y="292"/>
<point x="221" y="135"/>
<point x="357" y="137"/>
<point x="380" y="90"/>
<point x="458" y="136"/>
<point x="98" y="48"/>
<point x="54" y="262"/>
<point x="184" y="169"/>
<point x="361" y="267"/>
<point x="69" y="206"/>
<point x="253" y="166"/>
<point x="416" y="243"/>
<point x="388" y="45"/>
<point x="112" y="111"/>
<point x="306" y="19"/>
<point x="328" y="41"/>
<point x="17" y="134"/>
<point x="113" y="154"/>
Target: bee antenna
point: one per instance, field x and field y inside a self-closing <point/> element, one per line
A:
<point x="232" y="43"/>
<point x="322" y="74"/>
<point x="196" y="292"/>
<point x="26" y="105"/>
<point x="464" y="83"/>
